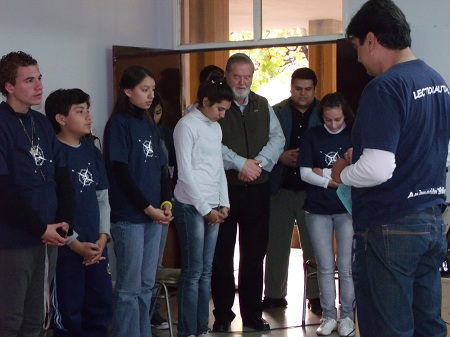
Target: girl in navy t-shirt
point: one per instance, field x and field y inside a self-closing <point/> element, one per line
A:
<point x="326" y="217"/>
<point x="139" y="197"/>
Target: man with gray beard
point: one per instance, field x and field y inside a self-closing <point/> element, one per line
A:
<point x="252" y="143"/>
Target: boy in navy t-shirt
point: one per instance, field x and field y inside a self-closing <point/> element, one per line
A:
<point x="82" y="291"/>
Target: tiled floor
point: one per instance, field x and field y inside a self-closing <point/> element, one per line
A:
<point x="284" y="322"/>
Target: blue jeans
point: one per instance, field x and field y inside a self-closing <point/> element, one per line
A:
<point x="321" y="228"/>
<point x="396" y="274"/>
<point x="162" y="246"/>
<point x="137" y="249"/>
<point x="197" y="241"/>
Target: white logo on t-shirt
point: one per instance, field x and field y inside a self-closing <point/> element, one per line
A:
<point x="432" y="190"/>
<point x="38" y="154"/>
<point x="147" y="147"/>
<point x="85" y="177"/>
<point x="331" y="157"/>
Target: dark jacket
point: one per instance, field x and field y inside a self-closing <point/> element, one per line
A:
<point x="283" y="110"/>
<point x="246" y="133"/>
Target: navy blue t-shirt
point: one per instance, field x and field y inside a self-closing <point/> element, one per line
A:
<point x="321" y="149"/>
<point x="137" y="143"/>
<point x="88" y="176"/>
<point x="30" y="169"/>
<point x="405" y="111"/>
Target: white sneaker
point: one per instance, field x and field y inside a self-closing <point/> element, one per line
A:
<point x="346" y="327"/>
<point x="327" y="326"/>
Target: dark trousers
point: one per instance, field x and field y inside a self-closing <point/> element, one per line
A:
<point x="22" y="277"/>
<point x="82" y="297"/>
<point x="250" y="208"/>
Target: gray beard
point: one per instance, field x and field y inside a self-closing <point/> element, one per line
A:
<point x="243" y="95"/>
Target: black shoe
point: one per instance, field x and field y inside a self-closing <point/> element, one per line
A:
<point x="221" y="326"/>
<point x="314" y="306"/>
<point x="269" y="303"/>
<point x="158" y="322"/>
<point x="256" y="324"/>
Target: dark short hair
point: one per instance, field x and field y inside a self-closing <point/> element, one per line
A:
<point x="9" y="64"/>
<point x="336" y="100"/>
<point x="304" y="74"/>
<point x="60" y="101"/>
<point x="385" y="20"/>
<point x="215" y="88"/>
<point x="206" y="71"/>
<point x="238" y="58"/>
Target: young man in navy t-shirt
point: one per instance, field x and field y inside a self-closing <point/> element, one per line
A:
<point x="36" y="199"/>
<point x="397" y="173"/>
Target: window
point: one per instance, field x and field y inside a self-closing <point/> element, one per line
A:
<point x="229" y="23"/>
<point x="300" y="18"/>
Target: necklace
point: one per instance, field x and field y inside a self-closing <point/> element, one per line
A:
<point x="35" y="150"/>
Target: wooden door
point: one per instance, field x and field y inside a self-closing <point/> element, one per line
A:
<point x="166" y="66"/>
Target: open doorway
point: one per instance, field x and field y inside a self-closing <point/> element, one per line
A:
<point x="177" y="80"/>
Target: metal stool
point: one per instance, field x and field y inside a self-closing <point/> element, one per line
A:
<point x="307" y="266"/>
<point x="166" y="278"/>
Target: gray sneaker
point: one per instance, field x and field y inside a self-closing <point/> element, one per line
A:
<point x="327" y="326"/>
<point x="346" y="327"/>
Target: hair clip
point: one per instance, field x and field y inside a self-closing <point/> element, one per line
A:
<point x="214" y="82"/>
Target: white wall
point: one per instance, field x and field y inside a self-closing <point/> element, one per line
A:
<point x="72" y="39"/>
<point x="430" y="29"/>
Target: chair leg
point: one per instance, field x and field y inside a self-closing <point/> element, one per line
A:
<point x="169" y="315"/>
<point x="305" y="283"/>
<point x="154" y="296"/>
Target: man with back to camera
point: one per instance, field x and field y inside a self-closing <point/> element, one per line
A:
<point x="251" y="144"/>
<point x="397" y="173"/>
<point x="296" y="114"/>
<point x="36" y="199"/>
